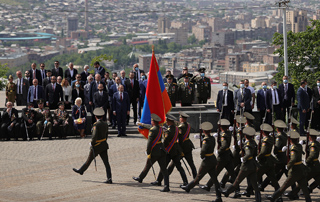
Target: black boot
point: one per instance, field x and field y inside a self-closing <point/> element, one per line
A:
<point x="165" y="189"/>
<point x="186" y="188"/>
<point x="279" y="199"/>
<point x="237" y="195"/>
<point x="205" y="187"/>
<point x="218" y="199"/>
<point x="78" y="171"/>
<point x="137" y="179"/>
<point x="109" y="181"/>
<point x="184" y="184"/>
<point x="156" y="183"/>
<point x="222" y="185"/>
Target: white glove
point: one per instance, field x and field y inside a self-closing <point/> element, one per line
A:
<point x="318" y="139"/>
<point x="215" y="135"/>
<point x="241" y="159"/>
<point x="216" y="152"/>
<point x="284" y="148"/>
<point x="301" y="142"/>
<point x="257" y="159"/>
<point x="286" y="167"/>
<point x="196" y="136"/>
<point x="239" y="142"/>
<point x="258" y="137"/>
<point x="164" y="128"/>
<point x="231" y="128"/>
<point x="233" y="147"/>
<point x="304" y="162"/>
<point x="90" y="144"/>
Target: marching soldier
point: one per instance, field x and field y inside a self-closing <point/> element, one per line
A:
<point x="170" y="141"/>
<point x="61" y="121"/>
<point x="10" y="124"/>
<point x="224" y="154"/>
<point x="28" y="121"/>
<point x="155" y="152"/>
<point x="11" y="92"/>
<point x="248" y="166"/>
<point x="203" y="87"/>
<point x="44" y="120"/>
<point x="186" y="92"/>
<point x="209" y="162"/>
<point x="294" y="124"/>
<point x="296" y="169"/>
<point x="99" y="145"/>
<point x="250" y="119"/>
<point x="172" y="89"/>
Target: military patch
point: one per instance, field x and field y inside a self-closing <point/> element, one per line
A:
<point x="263" y="144"/>
<point x="247" y="147"/>
<point x="248" y="143"/>
<point x="277" y="139"/>
<point x="93" y="128"/>
<point x="312" y="149"/>
<point x="312" y="144"/>
<point x="222" y="138"/>
<point x="204" y="142"/>
<point x="180" y="131"/>
<point x="166" y="135"/>
<point x="150" y="133"/>
<point x="292" y="153"/>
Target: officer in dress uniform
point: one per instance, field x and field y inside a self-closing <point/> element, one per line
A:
<point x="155" y="152"/>
<point x="61" y="121"/>
<point x="186" y="92"/>
<point x="11" y="92"/>
<point x="297" y="171"/>
<point x="44" y="120"/>
<point x="203" y="87"/>
<point x="209" y="162"/>
<point x="28" y="120"/>
<point x="172" y="89"/>
<point x="171" y="144"/>
<point x="98" y="144"/>
<point x="224" y="154"/>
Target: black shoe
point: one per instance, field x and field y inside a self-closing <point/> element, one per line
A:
<point x="279" y="200"/>
<point x="260" y="187"/>
<point x="237" y="195"/>
<point x="247" y="194"/>
<point x="109" y="181"/>
<point x="137" y="179"/>
<point x="119" y="135"/>
<point x="165" y="189"/>
<point x="77" y="171"/>
<point x="156" y="183"/>
<point x="222" y="185"/>
<point x="205" y="187"/>
<point x="269" y="197"/>
<point x="124" y="135"/>
<point x="290" y="196"/>
<point x="50" y="138"/>
<point x="113" y="127"/>
<point x="185" y="188"/>
<point x="218" y="199"/>
<point x="225" y="193"/>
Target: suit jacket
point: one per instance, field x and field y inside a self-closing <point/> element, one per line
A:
<point x="86" y="89"/>
<point x="303" y="99"/>
<point x="75" y="95"/>
<point x="246" y="98"/>
<point x="100" y="70"/>
<point x="67" y="75"/>
<point x="46" y="81"/>
<point x="101" y="101"/>
<point x="40" y="93"/>
<point x="38" y="76"/>
<point x="121" y="106"/>
<point x="261" y="99"/>
<point x="84" y="76"/>
<point x="6" y="119"/>
<point x="269" y="98"/>
<point x="143" y="89"/>
<point x="75" y="112"/>
<point x="134" y="92"/>
<point x="310" y="93"/>
<point x="53" y="96"/>
<point x="25" y="87"/>
<point x="230" y="101"/>
<point x="113" y="89"/>
<point x="123" y="80"/>
<point x="45" y="75"/>
<point x="316" y="97"/>
<point x="290" y="92"/>
<point x="57" y="73"/>
<point x="94" y="89"/>
<point x="137" y="74"/>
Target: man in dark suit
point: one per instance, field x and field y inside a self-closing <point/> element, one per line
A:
<point x="86" y="90"/>
<point x="133" y="90"/>
<point x="121" y="108"/>
<point x="316" y="106"/>
<point x="70" y="73"/>
<point x="43" y="73"/>
<point x="22" y="89"/>
<point x="143" y="87"/>
<point x="262" y="101"/>
<point x="35" y="73"/>
<point x="35" y="93"/>
<point x="168" y="74"/>
<point x="94" y="88"/>
<point x="242" y="98"/>
<point x="78" y="78"/>
<point x="310" y="93"/>
<point x="100" y="99"/>
<point x="112" y="90"/>
<point x="123" y="77"/>
<point x="53" y="94"/>
<point x="85" y="73"/>
<point x="225" y="100"/>
<point x="274" y="102"/>
<point x="137" y="72"/>
<point x="288" y="95"/>
<point x="99" y="69"/>
<point x="47" y="80"/>
<point x="303" y="105"/>
<point x="57" y="71"/>
<point x="10" y="124"/>
<point x="27" y="77"/>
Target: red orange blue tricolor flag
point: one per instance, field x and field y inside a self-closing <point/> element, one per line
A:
<point x="156" y="100"/>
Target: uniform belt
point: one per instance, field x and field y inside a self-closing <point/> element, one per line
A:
<point x="315" y="159"/>
<point x="208" y="154"/>
<point x="267" y="155"/>
<point x="227" y="148"/>
<point x="298" y="163"/>
<point x="250" y="158"/>
<point x="98" y="141"/>
<point x="159" y="142"/>
<point x="280" y="151"/>
<point x="186" y="139"/>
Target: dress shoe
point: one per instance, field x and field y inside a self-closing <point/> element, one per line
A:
<point x="165" y="189"/>
<point x="218" y="199"/>
<point x="113" y="127"/>
<point x="222" y="185"/>
<point x="185" y="188"/>
<point x="156" y="183"/>
<point x="291" y="197"/>
<point x="225" y="193"/>
<point x="110" y="124"/>
<point x="77" y="171"/>
<point x="184" y="184"/>
<point x="247" y="194"/>
<point x="119" y="135"/>
<point x="205" y="187"/>
<point x="124" y="135"/>
<point x="270" y="197"/>
<point x="109" y="181"/>
<point x="237" y="195"/>
<point x="137" y="179"/>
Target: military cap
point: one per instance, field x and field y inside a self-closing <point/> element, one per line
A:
<point x="294" y="121"/>
<point x="184" y="115"/>
<point x="98" y="112"/>
<point x="280" y="124"/>
<point x="155" y="117"/>
<point x="40" y="101"/>
<point x="266" y="127"/>
<point x="249" y="131"/>
<point x="224" y="122"/>
<point x="313" y="132"/>
<point x="248" y="116"/>
<point x="201" y="69"/>
<point x="170" y="76"/>
<point x="60" y="103"/>
<point x="30" y="104"/>
<point x="171" y="118"/>
<point x="206" y="126"/>
<point x="241" y="119"/>
<point x="10" y="77"/>
<point x="294" y="134"/>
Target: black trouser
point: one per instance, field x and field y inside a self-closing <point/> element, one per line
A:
<point x="162" y="163"/>
<point x="189" y="158"/>
<point x="105" y="159"/>
<point x="315" y="119"/>
<point x="286" y="109"/>
<point x="315" y="176"/>
<point x="277" y="110"/>
<point x="228" y="165"/>
<point x="135" y="114"/>
<point x="227" y="114"/>
<point x="5" y="133"/>
<point x="31" y="129"/>
<point x="262" y="114"/>
<point x="202" y="100"/>
<point x="20" y="101"/>
<point x="176" y="161"/>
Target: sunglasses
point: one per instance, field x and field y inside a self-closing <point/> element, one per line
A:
<point x="26" y="73"/>
<point x="41" y="66"/>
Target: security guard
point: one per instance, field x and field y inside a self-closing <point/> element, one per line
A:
<point x="248" y="166"/>
<point x="203" y="87"/>
<point x="186" y="92"/>
<point x="297" y="170"/>
<point x="61" y="121"/>
<point x="44" y="120"/>
<point x="155" y="152"/>
<point x="170" y="141"/>
<point x="209" y="161"/>
<point x="225" y="158"/>
<point x="98" y="144"/>
<point x="11" y="92"/>
<point x="172" y="89"/>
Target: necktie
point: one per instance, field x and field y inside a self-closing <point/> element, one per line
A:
<point x="275" y="97"/>
<point x="34" y="74"/>
<point x="224" y="97"/>
<point x="120" y="96"/>
<point x="35" y="93"/>
<point x="131" y="84"/>
<point x="53" y="87"/>
<point x="19" y="88"/>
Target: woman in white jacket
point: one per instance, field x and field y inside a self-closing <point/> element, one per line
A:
<point x="67" y="93"/>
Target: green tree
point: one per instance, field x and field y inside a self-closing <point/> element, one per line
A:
<point x="303" y="54"/>
<point x="3" y="71"/>
<point x="192" y="39"/>
<point x="101" y="58"/>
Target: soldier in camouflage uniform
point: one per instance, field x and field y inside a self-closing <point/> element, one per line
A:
<point x="61" y="121"/>
<point x="209" y="162"/>
<point x="11" y="92"/>
<point x="44" y="120"/>
<point x="203" y="87"/>
<point x="186" y="92"/>
<point x="172" y="89"/>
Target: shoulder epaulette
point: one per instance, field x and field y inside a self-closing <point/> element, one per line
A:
<point x="312" y="144"/>
<point x="248" y="143"/>
<point x="174" y="83"/>
<point x="191" y="83"/>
